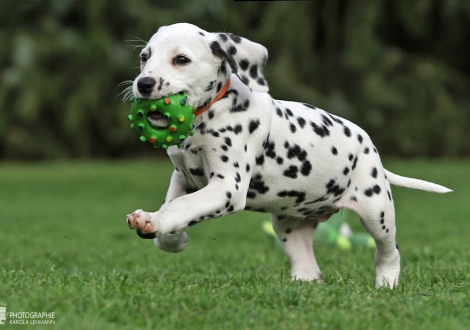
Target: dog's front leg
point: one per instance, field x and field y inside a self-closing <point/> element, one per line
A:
<point x="218" y="198"/>
<point x="173" y="241"/>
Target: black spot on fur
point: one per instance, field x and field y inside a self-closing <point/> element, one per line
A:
<point x="366" y="150"/>
<point x="292" y="128"/>
<point x="240" y="107"/>
<point x="321" y="131"/>
<point x="224" y="158"/>
<point x="232" y="50"/>
<point x="257" y="184"/>
<point x="306" y="168"/>
<point x="354" y="163"/>
<point x="197" y="171"/>
<point x="374" y="172"/>
<point x="244" y="64"/>
<point x="300" y="196"/>
<point x="347" y="131"/>
<point x="334" y="151"/>
<point x="210" y="86"/>
<point x="333" y="188"/>
<point x="298" y="152"/>
<point x="217" y="49"/>
<point x="270" y="145"/>
<point x="219" y="86"/>
<point x="235" y="38"/>
<point x="260" y="160"/>
<point x="335" y="119"/>
<point x="301" y="122"/>
<point x="359" y="138"/>
<point x="371" y="191"/>
<point x="346" y="171"/>
<point x="309" y="106"/>
<point x="237" y="129"/>
<point x="254" y="71"/>
<point x="223" y="36"/>
<point x="320" y="199"/>
<point x="161" y="84"/>
<point x="190" y="190"/>
<point x="254" y="124"/>
<point x="291" y="172"/>
<point x="326" y="121"/>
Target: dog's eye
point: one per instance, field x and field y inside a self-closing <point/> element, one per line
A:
<point x="181" y="60"/>
<point x="144" y="58"/>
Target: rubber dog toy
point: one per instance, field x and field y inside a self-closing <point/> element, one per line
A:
<point x="174" y="108"/>
<point x="329" y="233"/>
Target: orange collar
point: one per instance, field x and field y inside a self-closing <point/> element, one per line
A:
<point x="222" y="92"/>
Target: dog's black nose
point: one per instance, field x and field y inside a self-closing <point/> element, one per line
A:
<point x="145" y="85"/>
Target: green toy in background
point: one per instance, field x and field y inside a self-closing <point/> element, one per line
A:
<point x="174" y="111"/>
<point x="334" y="232"/>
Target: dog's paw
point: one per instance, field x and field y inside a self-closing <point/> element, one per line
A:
<point x="143" y="222"/>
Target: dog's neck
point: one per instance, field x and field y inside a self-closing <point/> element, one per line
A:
<point x="216" y="86"/>
<point x="219" y="95"/>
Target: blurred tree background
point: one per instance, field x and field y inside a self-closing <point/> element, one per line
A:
<point x="398" y="68"/>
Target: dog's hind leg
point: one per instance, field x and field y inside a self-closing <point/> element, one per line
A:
<point x="296" y="236"/>
<point x="377" y="215"/>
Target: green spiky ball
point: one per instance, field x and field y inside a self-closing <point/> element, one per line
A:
<point x="175" y="108"/>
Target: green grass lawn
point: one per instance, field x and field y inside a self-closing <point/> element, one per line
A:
<point x="65" y="248"/>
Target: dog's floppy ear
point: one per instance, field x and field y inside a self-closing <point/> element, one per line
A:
<point x="246" y="58"/>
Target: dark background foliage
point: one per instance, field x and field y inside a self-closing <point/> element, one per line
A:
<point x="398" y="68"/>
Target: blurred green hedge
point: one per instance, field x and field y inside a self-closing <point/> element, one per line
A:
<point x="398" y="68"/>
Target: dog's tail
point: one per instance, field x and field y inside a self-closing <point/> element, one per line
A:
<point x="401" y="181"/>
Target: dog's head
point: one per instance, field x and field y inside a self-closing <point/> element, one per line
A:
<point x="184" y="58"/>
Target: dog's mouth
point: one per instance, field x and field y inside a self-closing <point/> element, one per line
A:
<point x="157" y="120"/>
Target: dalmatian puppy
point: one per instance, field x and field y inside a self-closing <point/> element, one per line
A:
<point x="293" y="160"/>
